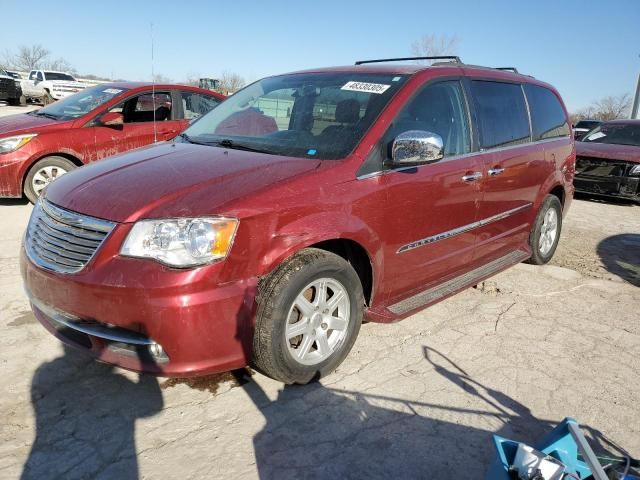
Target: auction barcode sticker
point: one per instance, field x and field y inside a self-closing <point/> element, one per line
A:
<point x="365" y="87"/>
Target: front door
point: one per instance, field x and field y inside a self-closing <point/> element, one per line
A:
<point x="433" y="207"/>
<point x="148" y="118"/>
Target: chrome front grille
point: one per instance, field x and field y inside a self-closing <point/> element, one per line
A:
<point x="61" y="240"/>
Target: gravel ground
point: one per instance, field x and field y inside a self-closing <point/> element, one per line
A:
<point x="416" y="399"/>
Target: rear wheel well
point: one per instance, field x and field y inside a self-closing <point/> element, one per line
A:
<point x="558" y="191"/>
<point x="357" y="256"/>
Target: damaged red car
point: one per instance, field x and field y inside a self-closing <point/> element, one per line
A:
<point x="303" y="204"/>
<point x="608" y="161"/>
<point x="98" y="122"/>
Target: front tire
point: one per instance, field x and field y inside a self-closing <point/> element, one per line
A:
<point x="42" y="173"/>
<point x="47" y="99"/>
<point x="545" y="233"/>
<point x="309" y="314"/>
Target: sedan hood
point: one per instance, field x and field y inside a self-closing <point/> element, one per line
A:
<point x="154" y="182"/>
<point x="23" y="123"/>
<point x="611" y="151"/>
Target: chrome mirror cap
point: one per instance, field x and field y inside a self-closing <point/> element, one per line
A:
<point x="416" y="147"/>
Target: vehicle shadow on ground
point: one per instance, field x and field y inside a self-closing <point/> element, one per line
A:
<point x="85" y="419"/>
<point x="318" y="432"/>
<point x="620" y="254"/>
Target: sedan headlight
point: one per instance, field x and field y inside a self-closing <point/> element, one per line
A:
<point x="11" y="144"/>
<point x="635" y="170"/>
<point x="181" y="242"/>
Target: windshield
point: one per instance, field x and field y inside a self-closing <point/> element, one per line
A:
<point x="619" y="133"/>
<point x="81" y="103"/>
<point x="587" y="124"/>
<point x="58" y="76"/>
<point x="312" y="115"/>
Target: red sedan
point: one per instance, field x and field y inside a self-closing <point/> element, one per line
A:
<point x="99" y="122"/>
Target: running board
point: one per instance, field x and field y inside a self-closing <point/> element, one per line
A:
<point x="458" y="283"/>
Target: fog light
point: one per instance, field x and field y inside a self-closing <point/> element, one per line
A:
<point x="157" y="351"/>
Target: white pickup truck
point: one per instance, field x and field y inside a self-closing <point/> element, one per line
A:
<point x="47" y="86"/>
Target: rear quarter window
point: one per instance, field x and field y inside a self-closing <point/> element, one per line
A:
<point x="503" y="120"/>
<point x="547" y="115"/>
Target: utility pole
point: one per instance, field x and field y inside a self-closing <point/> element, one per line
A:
<point x="636" y="100"/>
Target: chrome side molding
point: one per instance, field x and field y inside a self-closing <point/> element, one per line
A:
<point x="465" y="228"/>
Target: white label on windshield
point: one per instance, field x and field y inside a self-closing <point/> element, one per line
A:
<point x="113" y="91"/>
<point x="365" y="87"/>
<point x="596" y="136"/>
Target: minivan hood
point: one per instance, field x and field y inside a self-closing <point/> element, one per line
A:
<point x="170" y="180"/>
<point x="611" y="151"/>
<point x="23" y="123"/>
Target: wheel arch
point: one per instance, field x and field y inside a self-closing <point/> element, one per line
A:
<point x="72" y="158"/>
<point x="352" y="250"/>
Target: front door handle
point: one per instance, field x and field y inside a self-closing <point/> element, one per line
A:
<point x="495" y="171"/>
<point x="472" y="177"/>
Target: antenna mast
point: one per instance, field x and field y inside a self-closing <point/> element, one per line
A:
<point x="153" y="90"/>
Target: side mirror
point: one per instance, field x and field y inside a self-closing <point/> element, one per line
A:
<point x="111" y="119"/>
<point x="416" y="147"/>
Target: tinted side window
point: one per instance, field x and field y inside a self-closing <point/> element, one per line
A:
<point x="502" y="114"/>
<point x="141" y="108"/>
<point x="195" y="105"/>
<point x="439" y="108"/>
<point x="547" y="116"/>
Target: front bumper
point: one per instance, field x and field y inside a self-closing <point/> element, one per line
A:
<point x="611" y="186"/>
<point x="121" y="310"/>
<point x="11" y="169"/>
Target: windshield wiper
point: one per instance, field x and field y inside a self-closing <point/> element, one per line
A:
<point x="188" y="139"/>
<point x="48" y="115"/>
<point x="227" y="143"/>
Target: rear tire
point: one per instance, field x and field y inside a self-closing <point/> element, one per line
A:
<point x="42" y="173"/>
<point x="546" y="230"/>
<point x="309" y="314"/>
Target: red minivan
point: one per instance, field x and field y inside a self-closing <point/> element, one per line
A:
<point x="303" y="204"/>
<point x="98" y="122"/>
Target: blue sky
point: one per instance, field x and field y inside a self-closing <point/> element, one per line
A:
<point x="587" y="49"/>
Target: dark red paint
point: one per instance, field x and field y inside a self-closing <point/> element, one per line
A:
<point x="203" y="317"/>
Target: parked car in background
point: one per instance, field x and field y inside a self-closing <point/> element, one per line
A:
<point x="10" y="90"/>
<point x="608" y="160"/>
<point x="15" y="75"/>
<point x="583" y="126"/>
<point x="39" y="146"/>
<point x="48" y="86"/>
<point x="272" y="226"/>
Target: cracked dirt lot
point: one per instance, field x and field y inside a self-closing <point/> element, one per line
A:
<point x="417" y="399"/>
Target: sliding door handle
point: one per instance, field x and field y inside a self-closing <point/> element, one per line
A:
<point x="495" y="171"/>
<point x="472" y="177"/>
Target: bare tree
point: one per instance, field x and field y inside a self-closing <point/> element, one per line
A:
<point x="607" y="108"/>
<point x="435" y="45"/>
<point x="611" y="108"/>
<point x="160" y="78"/>
<point x="29" y="58"/>
<point x="231" y="82"/>
<point x="59" y="64"/>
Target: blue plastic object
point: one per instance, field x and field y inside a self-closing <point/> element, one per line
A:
<point x="558" y="443"/>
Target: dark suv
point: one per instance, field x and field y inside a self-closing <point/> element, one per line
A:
<point x="303" y="204"/>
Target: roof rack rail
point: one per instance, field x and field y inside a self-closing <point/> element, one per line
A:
<point x="455" y="59"/>
<point x="508" y="69"/>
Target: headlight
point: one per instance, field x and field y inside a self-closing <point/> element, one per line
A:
<point x="181" y="242"/>
<point x="11" y="144"/>
<point x="635" y="170"/>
